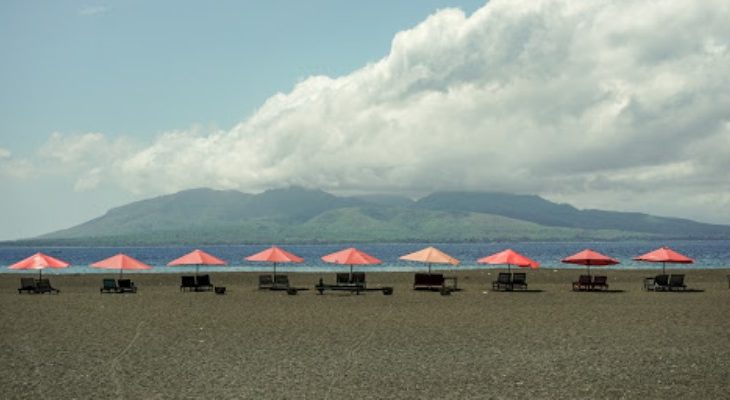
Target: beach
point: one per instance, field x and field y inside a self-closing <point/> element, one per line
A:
<point x="548" y="342"/>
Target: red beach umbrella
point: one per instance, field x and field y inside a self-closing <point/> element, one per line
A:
<point x="351" y="256"/>
<point x="510" y="257"/>
<point x="430" y="255"/>
<point x="275" y="255"/>
<point x="197" y="258"/>
<point x="121" y="262"/>
<point x="40" y="262"/>
<point x="589" y="257"/>
<point x="664" y="255"/>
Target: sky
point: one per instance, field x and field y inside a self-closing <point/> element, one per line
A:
<point x="618" y="105"/>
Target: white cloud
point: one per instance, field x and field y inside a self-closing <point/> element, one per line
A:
<point x="617" y="104"/>
<point x="4" y="153"/>
<point x="90" y="11"/>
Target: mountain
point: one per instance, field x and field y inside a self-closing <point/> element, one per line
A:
<point x="203" y="216"/>
<point x="540" y="211"/>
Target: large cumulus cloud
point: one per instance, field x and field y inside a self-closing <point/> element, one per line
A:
<point x="614" y="104"/>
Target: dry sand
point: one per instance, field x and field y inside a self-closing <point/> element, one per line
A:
<point x="247" y="344"/>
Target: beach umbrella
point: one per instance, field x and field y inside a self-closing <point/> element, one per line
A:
<point x="275" y="255"/>
<point x="510" y="257"/>
<point x="589" y="257"/>
<point x="430" y="255"/>
<point x="197" y="258"/>
<point x="664" y="255"/>
<point x="121" y="262"/>
<point x="351" y="256"/>
<point x="40" y="262"/>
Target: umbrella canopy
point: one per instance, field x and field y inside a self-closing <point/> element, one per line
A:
<point x="589" y="257"/>
<point x="121" y="262"/>
<point x="430" y="255"/>
<point x="509" y="257"/>
<point x="40" y="262"/>
<point x="351" y="256"/>
<point x="197" y="258"/>
<point x="275" y="255"/>
<point x="664" y="255"/>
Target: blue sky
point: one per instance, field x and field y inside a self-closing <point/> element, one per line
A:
<point x="142" y="67"/>
<point x="618" y="105"/>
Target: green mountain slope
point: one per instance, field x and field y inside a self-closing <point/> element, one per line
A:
<point x="300" y="215"/>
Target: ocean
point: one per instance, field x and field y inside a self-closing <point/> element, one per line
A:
<point x="708" y="254"/>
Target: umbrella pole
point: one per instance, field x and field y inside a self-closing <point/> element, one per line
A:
<point x="429" y="268"/>
<point x="350" y="272"/>
<point x="663" y="266"/>
<point x="274" y="271"/>
<point x="40" y="274"/>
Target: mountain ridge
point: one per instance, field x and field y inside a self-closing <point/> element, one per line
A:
<point x="295" y="214"/>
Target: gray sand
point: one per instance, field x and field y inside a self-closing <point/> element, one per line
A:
<point x="551" y="343"/>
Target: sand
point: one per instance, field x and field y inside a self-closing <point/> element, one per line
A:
<point x="550" y="343"/>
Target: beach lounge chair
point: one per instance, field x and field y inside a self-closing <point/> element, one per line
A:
<point x="202" y="282"/>
<point x="265" y="282"/>
<point x="187" y="282"/>
<point x="358" y="279"/>
<point x="503" y="282"/>
<point x="584" y="283"/>
<point x="127" y="286"/>
<point x="281" y="282"/>
<point x="44" y="286"/>
<point x="519" y="280"/>
<point x="676" y="282"/>
<point x="28" y="285"/>
<point x="600" y="282"/>
<point x="428" y="281"/>
<point x="109" y="286"/>
<point x="661" y="282"/>
<point x="342" y="279"/>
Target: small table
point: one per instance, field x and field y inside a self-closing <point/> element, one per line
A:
<point x="649" y="283"/>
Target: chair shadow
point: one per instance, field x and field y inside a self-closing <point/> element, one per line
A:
<point x="680" y="291"/>
<point x="600" y="291"/>
<point x="520" y="291"/>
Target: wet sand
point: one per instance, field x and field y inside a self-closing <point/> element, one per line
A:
<point x="548" y="343"/>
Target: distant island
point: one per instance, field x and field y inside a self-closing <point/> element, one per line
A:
<point x="298" y="215"/>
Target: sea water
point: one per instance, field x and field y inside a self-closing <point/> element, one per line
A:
<point x="708" y="254"/>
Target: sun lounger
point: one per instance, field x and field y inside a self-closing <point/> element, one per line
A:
<point x="187" y="282"/>
<point x="281" y="282"/>
<point x="659" y="282"/>
<point x="127" y="286"/>
<point x="28" y="285"/>
<point x="343" y="279"/>
<point x="519" y="280"/>
<point x="584" y="283"/>
<point x="109" y="286"/>
<point x="600" y="282"/>
<point x="676" y="282"/>
<point x="428" y="281"/>
<point x="358" y="279"/>
<point x="356" y="285"/>
<point x="44" y="286"/>
<point x="202" y="283"/>
<point x="503" y="282"/>
<point x="265" y="282"/>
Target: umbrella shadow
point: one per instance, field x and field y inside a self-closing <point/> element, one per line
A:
<point x="520" y="291"/>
